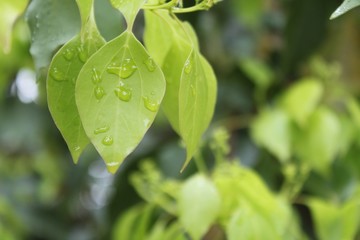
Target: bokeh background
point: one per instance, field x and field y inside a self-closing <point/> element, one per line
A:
<point x="259" y="49"/>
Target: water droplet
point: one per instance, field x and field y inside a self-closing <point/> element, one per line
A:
<point x="188" y="66"/>
<point x="150" y="64"/>
<point x="57" y="74"/>
<point x="96" y="76"/>
<point x="193" y="91"/>
<point x="77" y="148"/>
<point x="99" y="92"/>
<point x="123" y="93"/>
<point x="69" y="54"/>
<point x="124" y="70"/>
<point x="150" y="104"/>
<point x="108" y="141"/>
<point x="146" y="122"/>
<point x="83" y="55"/>
<point x="101" y="130"/>
<point x="112" y="166"/>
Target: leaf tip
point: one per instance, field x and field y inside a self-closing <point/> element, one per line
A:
<point x="112" y="167"/>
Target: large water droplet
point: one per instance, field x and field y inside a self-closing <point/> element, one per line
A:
<point x="69" y="54"/>
<point x="101" y="130"/>
<point x="124" y="70"/>
<point x="151" y="104"/>
<point x="83" y="54"/>
<point x="123" y="93"/>
<point x="112" y="166"/>
<point x="188" y="66"/>
<point x="99" y="92"/>
<point x="107" y="141"/>
<point x="57" y="75"/>
<point x="147" y="122"/>
<point x="96" y="76"/>
<point x="150" y="64"/>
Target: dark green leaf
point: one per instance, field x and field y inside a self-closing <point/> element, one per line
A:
<point x="52" y="23"/>
<point x="118" y="93"/>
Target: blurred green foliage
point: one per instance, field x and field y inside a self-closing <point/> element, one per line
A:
<point x="280" y="160"/>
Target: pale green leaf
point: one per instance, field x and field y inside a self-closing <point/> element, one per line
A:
<point x="119" y="106"/>
<point x="9" y="12"/>
<point x="318" y="144"/>
<point x="346" y="6"/>
<point x="52" y="23"/>
<point x="61" y="80"/>
<point x="271" y="129"/>
<point x="250" y="225"/>
<point x="258" y="72"/>
<point x="129" y="8"/>
<point x="190" y="96"/>
<point x="334" y="222"/>
<point x="161" y="32"/>
<point x="197" y="97"/>
<point x="199" y="205"/>
<point x="301" y="100"/>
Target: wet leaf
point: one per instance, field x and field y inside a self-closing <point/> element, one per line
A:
<point x="197" y="97"/>
<point x="118" y="94"/>
<point x="63" y="72"/>
<point x="52" y="23"/>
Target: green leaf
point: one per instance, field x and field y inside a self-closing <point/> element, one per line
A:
<point x="129" y="8"/>
<point x="160" y="28"/>
<point x="335" y="222"/>
<point x="317" y="144"/>
<point x="158" y="34"/>
<point x="119" y="106"/>
<point x="64" y="70"/>
<point x="302" y="99"/>
<point x="258" y="72"/>
<point x="199" y="205"/>
<point x="271" y="129"/>
<point x="197" y="98"/>
<point x="190" y="96"/>
<point x="52" y="23"/>
<point x="250" y="224"/>
<point x="346" y="6"/>
<point x="9" y="12"/>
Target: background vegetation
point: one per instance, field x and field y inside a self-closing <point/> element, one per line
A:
<point x="280" y="159"/>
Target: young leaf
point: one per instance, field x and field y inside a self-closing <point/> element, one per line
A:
<point x="318" y="143"/>
<point x="191" y="89"/>
<point x="272" y="130"/>
<point x="9" y="12"/>
<point x="118" y="94"/>
<point x="346" y="6"/>
<point x="200" y="192"/>
<point x="197" y="97"/>
<point x="301" y="100"/>
<point x="61" y="80"/>
<point x="129" y="8"/>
